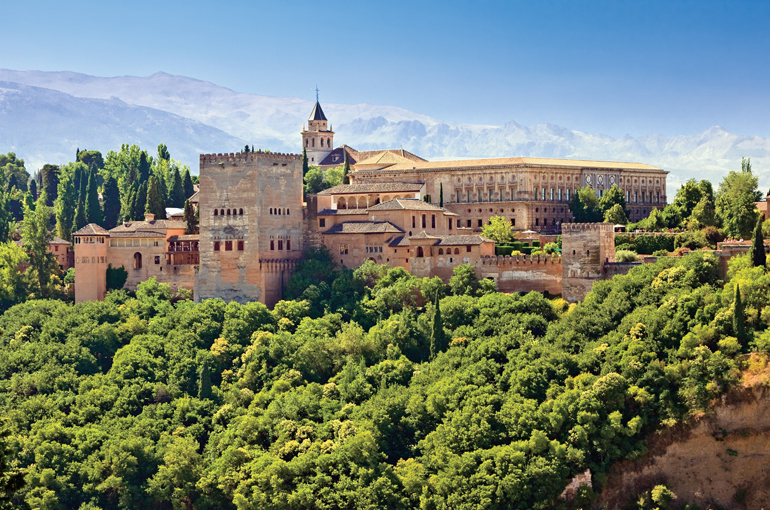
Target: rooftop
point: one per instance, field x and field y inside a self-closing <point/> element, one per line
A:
<point x="317" y="113"/>
<point x="364" y="227"/>
<point x="341" y="212"/>
<point x="377" y="187"/>
<point x="92" y="229"/>
<point x="155" y="225"/>
<point x="519" y="162"/>
<point x="409" y="204"/>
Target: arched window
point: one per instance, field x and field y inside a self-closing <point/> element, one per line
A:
<point x="288" y="245"/>
<point x="216" y="212"/>
<point x="288" y="213"/>
<point x="221" y="212"/>
<point x="271" y="210"/>
<point x="420" y="252"/>
<point x="457" y="251"/>
<point x="272" y="245"/>
<point x="240" y="212"/>
<point x="441" y="251"/>
<point x="313" y="142"/>
<point x="228" y="212"/>
<point x="306" y="142"/>
<point x="137" y="260"/>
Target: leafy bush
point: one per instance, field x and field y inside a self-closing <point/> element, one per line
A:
<point x="551" y="248"/>
<point x="626" y="256"/>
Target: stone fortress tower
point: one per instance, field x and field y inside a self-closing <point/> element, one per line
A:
<point x="586" y="249"/>
<point x="91" y="263"/>
<point x="251" y="225"/>
<point x="318" y="138"/>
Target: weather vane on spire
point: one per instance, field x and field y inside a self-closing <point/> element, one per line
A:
<point x="316" y="93"/>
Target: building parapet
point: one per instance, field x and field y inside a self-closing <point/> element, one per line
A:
<point x="277" y="265"/>
<point x="515" y="260"/>
<point x="580" y="227"/>
<point x="241" y="157"/>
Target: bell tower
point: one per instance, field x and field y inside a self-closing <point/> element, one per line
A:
<point x="318" y="138"/>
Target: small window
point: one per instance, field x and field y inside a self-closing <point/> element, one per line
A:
<point x="288" y="213"/>
<point x="55" y="248"/>
<point x="216" y="245"/>
<point x="457" y="251"/>
<point x="513" y="222"/>
<point x="280" y="245"/>
<point x="228" y="246"/>
<point x="450" y="223"/>
<point x="423" y="221"/>
<point x="272" y="245"/>
<point x="440" y="251"/>
<point x="288" y="245"/>
<point x="343" y="249"/>
<point x="413" y="222"/>
<point x="228" y="212"/>
<point x="240" y="245"/>
<point x="216" y="212"/>
<point x="240" y="212"/>
<point x="468" y="249"/>
<point x="433" y="221"/>
<point x="221" y="212"/>
<point x="322" y="222"/>
<point x="469" y="223"/>
<point x="481" y="223"/>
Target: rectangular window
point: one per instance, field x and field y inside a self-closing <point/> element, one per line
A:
<point x="513" y="222"/>
<point x="567" y="195"/>
<point x="433" y="221"/>
<point x="468" y="249"/>
<point x="280" y="245"/>
<point x="157" y="259"/>
<point x="272" y="245"/>
<point x="481" y="223"/>
<point x="228" y="246"/>
<point x="450" y="223"/>
<point x="413" y="222"/>
<point x="423" y="221"/>
<point x="216" y="245"/>
<point x="322" y="222"/>
<point x="240" y="245"/>
<point x="469" y="196"/>
<point x="480" y="199"/>
<point x="469" y="223"/>
<point x="343" y="249"/>
<point x="55" y="248"/>
<point x="490" y="195"/>
<point x="559" y="194"/>
<point x="537" y="222"/>
<point x="551" y="196"/>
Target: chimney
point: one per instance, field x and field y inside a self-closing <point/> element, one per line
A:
<point x="149" y="218"/>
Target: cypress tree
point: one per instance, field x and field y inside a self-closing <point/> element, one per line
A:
<point x="50" y="177"/>
<point x="739" y="325"/>
<point x="80" y="214"/>
<point x="346" y="171"/>
<point x="187" y="184"/>
<point x="305" y="166"/>
<point x="33" y="188"/>
<point x="163" y="152"/>
<point x="204" y="380"/>
<point x="190" y="218"/>
<point x="758" y="246"/>
<point x="129" y="205"/>
<point x="144" y="167"/>
<point x="438" y="340"/>
<point x="93" y="208"/>
<point x="441" y="195"/>
<point x="155" y="202"/>
<point x="140" y="203"/>
<point x="65" y="208"/>
<point x="176" y="196"/>
<point x="111" y="200"/>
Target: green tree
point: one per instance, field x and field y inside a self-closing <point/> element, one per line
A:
<point x="616" y="215"/>
<point x="610" y="198"/>
<point x="144" y="167"/>
<point x="334" y="177"/>
<point x="441" y="195"/>
<point x="204" y="380"/>
<point x="190" y="218"/>
<point x="140" y="202"/>
<point x="80" y="214"/>
<point x="758" y="256"/>
<point x="36" y="237"/>
<point x="111" y="199"/>
<point x="585" y="206"/>
<point x="14" y="171"/>
<point x="704" y="213"/>
<point x="305" y="167"/>
<point x="14" y="284"/>
<point x="189" y="189"/>
<point x="163" y="153"/>
<point x="11" y="479"/>
<point x="116" y="277"/>
<point x="739" y="320"/>
<point x="464" y="281"/>
<point x="438" y="338"/>
<point x="66" y="203"/>
<point x="50" y="190"/>
<point x="155" y="203"/>
<point x="176" y="195"/>
<point x="176" y="479"/>
<point x="735" y="202"/>
<point x="33" y="188"/>
<point x="346" y="171"/>
<point x="93" y="208"/>
<point x="498" y="229"/>
<point x="92" y="159"/>
<point x="654" y="222"/>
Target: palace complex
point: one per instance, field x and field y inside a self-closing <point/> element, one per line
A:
<point x="398" y="209"/>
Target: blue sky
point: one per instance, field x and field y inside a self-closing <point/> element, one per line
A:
<point x="636" y="67"/>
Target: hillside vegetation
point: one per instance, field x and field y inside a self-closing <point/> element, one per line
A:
<point x="361" y="392"/>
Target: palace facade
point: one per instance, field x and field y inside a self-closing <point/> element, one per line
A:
<point x="398" y="209"/>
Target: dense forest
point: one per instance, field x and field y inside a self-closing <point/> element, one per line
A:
<point x="365" y="388"/>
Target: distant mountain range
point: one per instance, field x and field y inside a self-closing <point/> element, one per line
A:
<point x="45" y="116"/>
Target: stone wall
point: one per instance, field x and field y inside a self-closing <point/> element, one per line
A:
<point x="268" y="188"/>
<point x="523" y="273"/>
<point x="586" y="249"/>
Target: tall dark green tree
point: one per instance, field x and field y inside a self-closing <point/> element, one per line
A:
<point x="758" y="256"/>
<point x="189" y="189"/>
<point x="144" y="167"/>
<point x="346" y="171"/>
<point x="305" y="166"/>
<point x="176" y="195"/>
<point x="111" y="200"/>
<point x="33" y="188"/>
<point x="441" y="195"/>
<point x="438" y="337"/>
<point x="66" y="204"/>
<point x="140" y="203"/>
<point x="155" y="202"/>
<point x="92" y="159"/>
<point x="36" y="237"/>
<point x="585" y="206"/>
<point x="50" y="177"/>
<point x="93" y="208"/>
<point x="204" y="380"/>
<point x="163" y="152"/>
<point x="80" y="214"/>
<point x="739" y="320"/>
<point x="190" y="217"/>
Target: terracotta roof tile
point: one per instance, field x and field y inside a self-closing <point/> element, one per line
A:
<point x="342" y="212"/>
<point x="133" y="226"/>
<point x="92" y="229"/>
<point x="518" y="162"/>
<point x="409" y="204"/>
<point x="377" y="187"/>
<point x="140" y="233"/>
<point x="364" y="227"/>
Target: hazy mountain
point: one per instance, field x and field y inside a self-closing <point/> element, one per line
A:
<point x="234" y="118"/>
<point x="46" y="126"/>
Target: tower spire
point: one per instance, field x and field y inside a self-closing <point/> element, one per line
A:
<point x="316" y="93"/>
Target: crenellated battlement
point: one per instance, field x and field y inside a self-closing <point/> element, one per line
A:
<point x="583" y="227"/>
<point x="277" y="265"/>
<point x="242" y="157"/>
<point x="521" y="260"/>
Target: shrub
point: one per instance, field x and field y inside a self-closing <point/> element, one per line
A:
<point x="551" y="248"/>
<point x="713" y="236"/>
<point x="660" y="253"/>
<point x="626" y="256"/>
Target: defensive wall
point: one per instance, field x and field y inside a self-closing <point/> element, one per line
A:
<point x="523" y="273"/>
